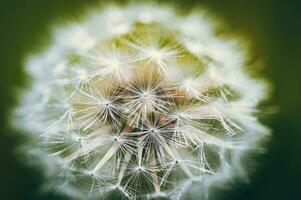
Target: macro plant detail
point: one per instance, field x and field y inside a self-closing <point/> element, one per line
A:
<point x="140" y="102"/>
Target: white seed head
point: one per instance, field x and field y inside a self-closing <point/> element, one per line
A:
<point x="141" y="102"/>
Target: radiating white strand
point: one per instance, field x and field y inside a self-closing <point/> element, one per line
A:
<point x="141" y="101"/>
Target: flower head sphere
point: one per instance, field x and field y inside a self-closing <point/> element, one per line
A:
<point x="142" y="103"/>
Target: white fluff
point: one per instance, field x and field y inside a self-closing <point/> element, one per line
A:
<point x="140" y="101"/>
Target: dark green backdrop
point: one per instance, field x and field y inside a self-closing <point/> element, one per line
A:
<point x="273" y="26"/>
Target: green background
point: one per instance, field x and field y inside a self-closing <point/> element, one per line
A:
<point x="273" y="26"/>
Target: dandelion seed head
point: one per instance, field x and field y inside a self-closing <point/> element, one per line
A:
<point x="140" y="101"/>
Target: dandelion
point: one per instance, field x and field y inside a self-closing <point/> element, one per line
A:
<point x="139" y="102"/>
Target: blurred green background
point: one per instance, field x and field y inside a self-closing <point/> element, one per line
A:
<point x="273" y="27"/>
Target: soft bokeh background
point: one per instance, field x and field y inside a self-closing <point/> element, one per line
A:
<point x="273" y="26"/>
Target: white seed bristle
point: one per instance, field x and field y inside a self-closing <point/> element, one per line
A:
<point x="142" y="102"/>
